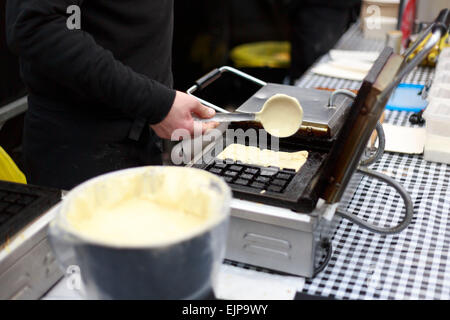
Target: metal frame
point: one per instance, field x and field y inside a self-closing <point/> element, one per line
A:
<point x="214" y="75"/>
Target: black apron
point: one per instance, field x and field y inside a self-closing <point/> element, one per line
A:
<point x="64" y="147"/>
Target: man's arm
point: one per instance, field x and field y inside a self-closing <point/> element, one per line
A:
<point x="37" y="30"/>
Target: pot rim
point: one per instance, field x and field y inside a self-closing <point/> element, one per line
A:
<point x="60" y="227"/>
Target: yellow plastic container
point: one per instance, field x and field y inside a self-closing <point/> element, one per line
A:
<point x="8" y="169"/>
<point x="272" y="54"/>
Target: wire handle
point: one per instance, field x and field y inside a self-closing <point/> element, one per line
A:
<point x="212" y="76"/>
<point x="437" y="30"/>
<point x="409" y="208"/>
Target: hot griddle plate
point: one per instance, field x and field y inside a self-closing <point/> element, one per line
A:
<point x="271" y="185"/>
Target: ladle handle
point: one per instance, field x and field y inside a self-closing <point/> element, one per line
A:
<point x="230" y="117"/>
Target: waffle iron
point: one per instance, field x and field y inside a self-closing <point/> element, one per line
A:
<point x="27" y="265"/>
<point x="325" y="133"/>
<point x="283" y="220"/>
<point x="273" y="186"/>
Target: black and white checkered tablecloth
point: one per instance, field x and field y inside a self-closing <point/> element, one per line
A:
<point x="414" y="264"/>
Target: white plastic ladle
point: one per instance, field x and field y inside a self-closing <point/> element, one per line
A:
<point x="281" y="116"/>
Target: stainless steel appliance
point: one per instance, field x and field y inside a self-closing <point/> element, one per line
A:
<point x="27" y="265"/>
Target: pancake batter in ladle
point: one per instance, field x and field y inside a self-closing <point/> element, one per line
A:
<point x="281" y="116"/>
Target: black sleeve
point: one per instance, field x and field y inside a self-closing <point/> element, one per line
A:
<point x="37" y="31"/>
<point x="338" y="4"/>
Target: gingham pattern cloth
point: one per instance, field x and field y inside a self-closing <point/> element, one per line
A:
<point x="414" y="264"/>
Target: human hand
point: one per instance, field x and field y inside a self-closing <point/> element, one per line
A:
<point x="180" y="116"/>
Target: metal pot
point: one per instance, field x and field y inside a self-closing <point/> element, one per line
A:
<point x="183" y="269"/>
